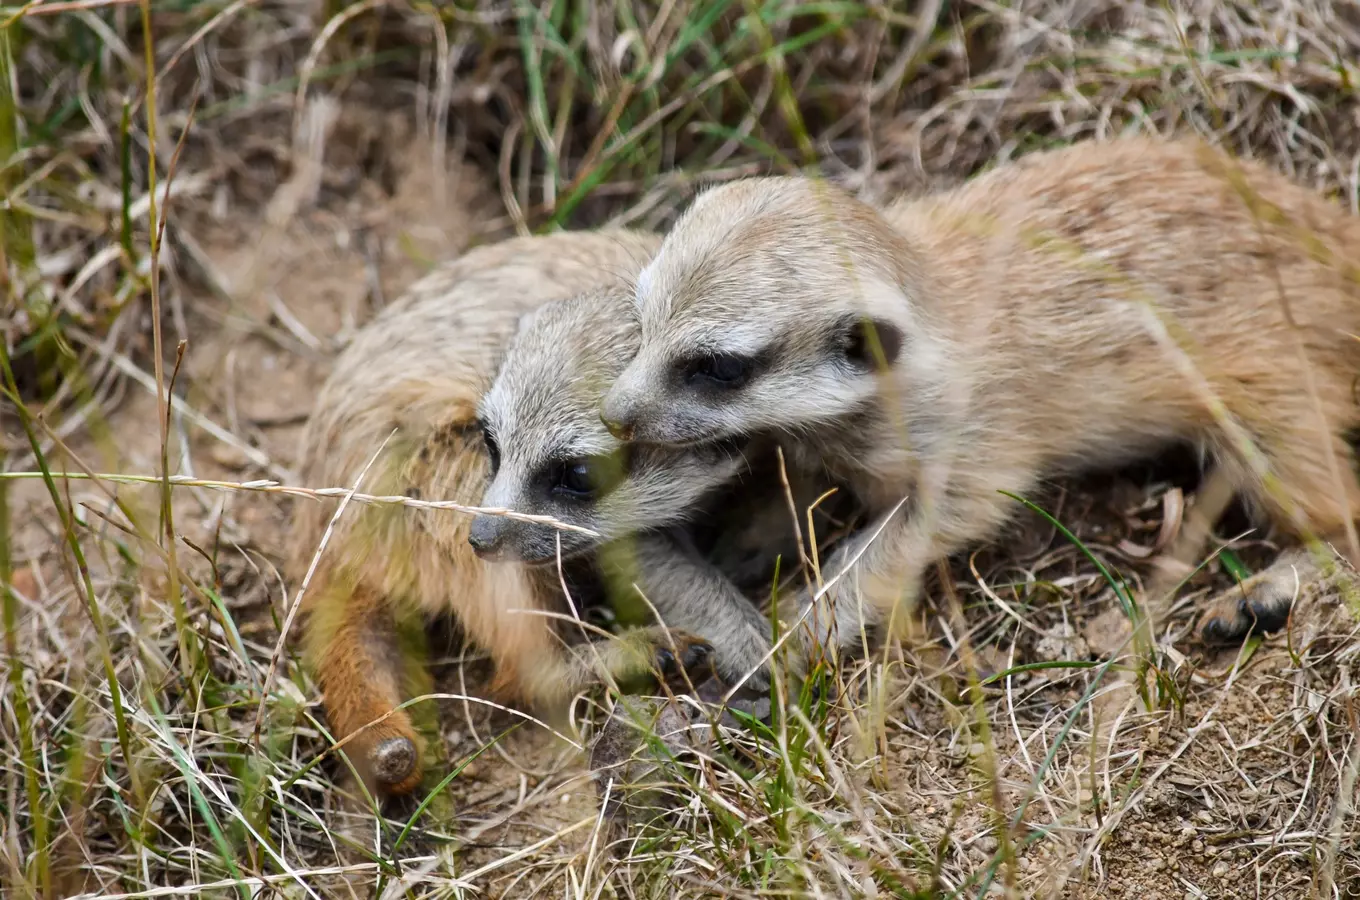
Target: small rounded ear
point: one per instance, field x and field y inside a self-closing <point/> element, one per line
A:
<point x="872" y="344"/>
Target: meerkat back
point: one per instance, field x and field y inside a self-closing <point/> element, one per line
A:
<point x="404" y="394"/>
<point x="1152" y="279"/>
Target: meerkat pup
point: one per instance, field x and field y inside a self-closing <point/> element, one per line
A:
<point x="413" y="378"/>
<point x="1069" y="311"/>
<point x="695" y="562"/>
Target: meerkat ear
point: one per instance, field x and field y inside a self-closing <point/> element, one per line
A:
<point x="872" y="343"/>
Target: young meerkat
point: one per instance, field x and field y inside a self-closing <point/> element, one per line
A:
<point x="552" y="456"/>
<point x="1073" y="310"/>
<point x="413" y="377"/>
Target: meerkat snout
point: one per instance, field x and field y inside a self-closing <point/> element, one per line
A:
<point x="625" y="403"/>
<point x="486" y="536"/>
<point x="619" y="426"/>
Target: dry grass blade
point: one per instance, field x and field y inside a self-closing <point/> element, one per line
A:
<point x="346" y="494"/>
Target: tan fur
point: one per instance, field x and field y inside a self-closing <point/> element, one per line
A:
<point x="1073" y="310"/>
<point x="419" y="368"/>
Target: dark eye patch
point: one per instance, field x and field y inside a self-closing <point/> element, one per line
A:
<point x="493" y="450"/>
<point x="868" y="344"/>
<point x="727" y="371"/>
<point x="584" y="478"/>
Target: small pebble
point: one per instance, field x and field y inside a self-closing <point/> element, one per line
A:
<point x="229" y="456"/>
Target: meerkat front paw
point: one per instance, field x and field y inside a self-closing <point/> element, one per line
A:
<point x="682" y="659"/>
<point x="1259" y="605"/>
<point x="639" y="658"/>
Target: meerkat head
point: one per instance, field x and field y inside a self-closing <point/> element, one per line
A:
<point x="773" y="304"/>
<point x="551" y="455"/>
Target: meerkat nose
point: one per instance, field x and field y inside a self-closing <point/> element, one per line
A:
<point x="485" y="535"/>
<point x="621" y="430"/>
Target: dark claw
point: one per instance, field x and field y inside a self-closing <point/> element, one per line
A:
<point x="697" y="655"/>
<point x="694" y="659"/>
<point x="1250" y="616"/>
<point x="394" y="760"/>
<point x="1217" y="631"/>
<point x="1268" y="616"/>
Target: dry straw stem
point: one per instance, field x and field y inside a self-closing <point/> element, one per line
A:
<point x="265" y="486"/>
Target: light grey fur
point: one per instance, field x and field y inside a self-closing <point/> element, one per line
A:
<point x="543" y="410"/>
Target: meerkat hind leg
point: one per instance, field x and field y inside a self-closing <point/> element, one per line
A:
<point x="1261" y="603"/>
<point x="1308" y="481"/>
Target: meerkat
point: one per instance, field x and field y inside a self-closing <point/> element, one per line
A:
<point x="413" y="378"/>
<point x="698" y="563"/>
<point x="1069" y="311"/>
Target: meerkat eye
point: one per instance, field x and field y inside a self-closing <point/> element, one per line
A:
<point x="867" y="344"/>
<point x="493" y="451"/>
<point x="726" y="370"/>
<point x="573" y="479"/>
<point x="585" y="478"/>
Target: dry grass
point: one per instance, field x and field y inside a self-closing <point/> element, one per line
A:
<point x="292" y="193"/>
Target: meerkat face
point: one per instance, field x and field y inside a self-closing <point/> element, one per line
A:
<point x="773" y="304"/>
<point x="551" y="455"/>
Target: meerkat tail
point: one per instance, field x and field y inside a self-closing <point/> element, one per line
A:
<point x="350" y="640"/>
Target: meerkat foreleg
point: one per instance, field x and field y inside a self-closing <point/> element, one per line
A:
<point x="875" y="577"/>
<point x="678" y="658"/>
<point x="692" y="595"/>
<point x="871" y="583"/>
